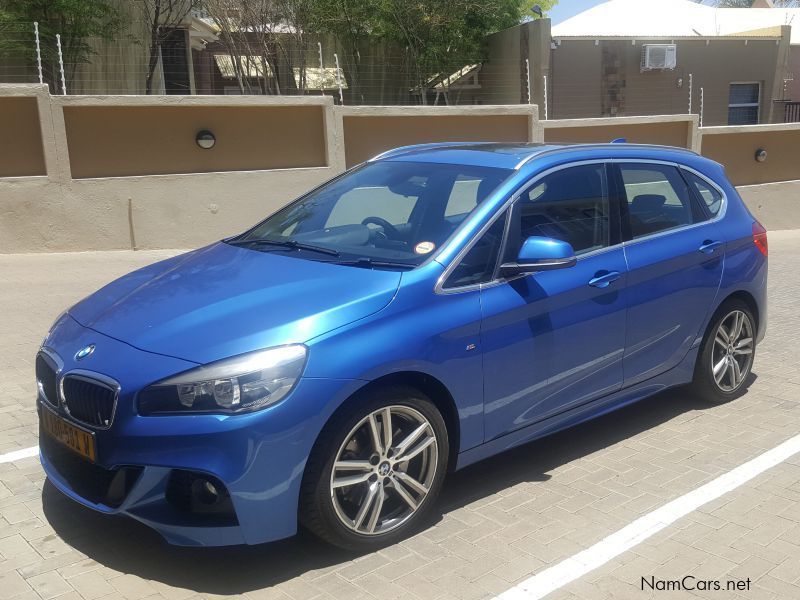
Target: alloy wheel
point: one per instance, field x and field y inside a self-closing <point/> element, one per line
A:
<point x="384" y="470"/>
<point x="732" y="354"/>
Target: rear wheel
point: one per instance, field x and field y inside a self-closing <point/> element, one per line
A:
<point x="727" y="353"/>
<point x="374" y="475"/>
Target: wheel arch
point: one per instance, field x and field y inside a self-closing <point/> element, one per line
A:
<point x="310" y="514"/>
<point x="429" y="385"/>
<point x="702" y="381"/>
<point x="748" y="299"/>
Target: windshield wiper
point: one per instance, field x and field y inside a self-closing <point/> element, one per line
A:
<point x="363" y="262"/>
<point x="370" y="263"/>
<point x="291" y="244"/>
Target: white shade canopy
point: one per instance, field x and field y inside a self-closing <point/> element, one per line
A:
<point x="675" y="18"/>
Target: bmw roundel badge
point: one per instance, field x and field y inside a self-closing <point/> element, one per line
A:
<point x="84" y="352"/>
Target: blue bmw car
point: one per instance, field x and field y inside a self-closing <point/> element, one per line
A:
<point x="427" y="309"/>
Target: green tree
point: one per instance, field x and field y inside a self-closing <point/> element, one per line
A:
<point x="272" y="34"/>
<point x="354" y="23"/>
<point x="747" y="3"/>
<point x="734" y="3"/>
<point x="76" y="21"/>
<point x="161" y="17"/>
<point x="440" y="36"/>
<point x="432" y="35"/>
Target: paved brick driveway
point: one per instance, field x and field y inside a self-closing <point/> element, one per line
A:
<point x="500" y="522"/>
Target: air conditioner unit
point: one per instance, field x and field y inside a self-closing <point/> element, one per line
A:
<point x="659" y="57"/>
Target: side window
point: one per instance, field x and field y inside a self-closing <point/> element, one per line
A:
<point x="479" y="263"/>
<point x="707" y="193"/>
<point x="570" y="205"/>
<point x="658" y="198"/>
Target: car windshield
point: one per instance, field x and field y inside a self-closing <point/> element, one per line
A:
<point x="384" y="214"/>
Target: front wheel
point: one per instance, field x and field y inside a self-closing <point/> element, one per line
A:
<point x="375" y="474"/>
<point x="727" y="353"/>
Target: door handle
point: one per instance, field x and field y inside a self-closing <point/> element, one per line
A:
<point x="603" y="281"/>
<point x="709" y="247"/>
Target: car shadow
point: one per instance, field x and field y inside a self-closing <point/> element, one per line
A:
<point x="127" y="546"/>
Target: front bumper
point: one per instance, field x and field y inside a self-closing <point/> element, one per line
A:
<point x="257" y="458"/>
<point x="144" y="498"/>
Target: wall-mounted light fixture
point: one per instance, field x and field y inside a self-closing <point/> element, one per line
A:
<point x="205" y="139"/>
<point x="761" y="155"/>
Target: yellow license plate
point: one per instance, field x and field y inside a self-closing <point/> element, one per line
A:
<point x="72" y="437"/>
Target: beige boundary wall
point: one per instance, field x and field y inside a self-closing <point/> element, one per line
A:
<point x="121" y="172"/>
<point x="771" y="189"/>
<point x="669" y="130"/>
<point x="370" y="130"/>
<point x="736" y="147"/>
<point x="775" y="205"/>
<point x="21" y="147"/>
<point x="121" y="182"/>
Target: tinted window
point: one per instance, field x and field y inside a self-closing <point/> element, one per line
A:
<point x="479" y="263"/>
<point x="707" y="193"/>
<point x="658" y="198"/>
<point x="394" y="211"/>
<point x="569" y="205"/>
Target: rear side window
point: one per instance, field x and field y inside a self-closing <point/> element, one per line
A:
<point x="706" y="192"/>
<point x="658" y="199"/>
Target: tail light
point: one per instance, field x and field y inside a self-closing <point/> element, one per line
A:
<point x="760" y="238"/>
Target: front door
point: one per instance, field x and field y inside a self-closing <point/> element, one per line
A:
<point x="555" y="339"/>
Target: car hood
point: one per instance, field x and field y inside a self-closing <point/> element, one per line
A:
<point x="222" y="300"/>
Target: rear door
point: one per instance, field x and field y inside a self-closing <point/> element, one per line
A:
<point x="675" y="256"/>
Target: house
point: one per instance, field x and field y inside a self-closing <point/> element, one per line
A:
<point x="743" y="60"/>
<point x="634" y="57"/>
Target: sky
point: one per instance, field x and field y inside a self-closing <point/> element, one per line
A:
<point x="569" y="8"/>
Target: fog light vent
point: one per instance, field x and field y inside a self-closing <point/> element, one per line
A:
<point x="198" y="493"/>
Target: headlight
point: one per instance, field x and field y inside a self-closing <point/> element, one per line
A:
<point x="240" y="384"/>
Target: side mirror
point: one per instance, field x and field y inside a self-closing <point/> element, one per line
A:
<point x="540" y="254"/>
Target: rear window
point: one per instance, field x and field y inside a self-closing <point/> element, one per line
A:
<point x="710" y="195"/>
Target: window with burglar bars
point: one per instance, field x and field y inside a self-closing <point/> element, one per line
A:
<point x="743" y="103"/>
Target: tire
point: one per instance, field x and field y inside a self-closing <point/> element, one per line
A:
<point x="728" y="381"/>
<point x="385" y="498"/>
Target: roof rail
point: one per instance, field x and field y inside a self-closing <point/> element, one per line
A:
<point x="578" y="146"/>
<point x="403" y="150"/>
